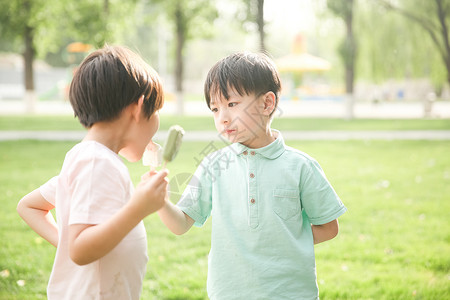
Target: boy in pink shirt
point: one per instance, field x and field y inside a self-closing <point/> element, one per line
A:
<point x="99" y="234"/>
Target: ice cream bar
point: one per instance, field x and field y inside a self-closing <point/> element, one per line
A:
<point x="152" y="155"/>
<point x="173" y="143"/>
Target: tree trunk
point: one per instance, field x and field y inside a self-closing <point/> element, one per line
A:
<point x="260" y="22"/>
<point x="350" y="59"/>
<point x="28" y="57"/>
<point x="350" y="53"/>
<point x="181" y="38"/>
<point x="106" y="7"/>
<point x="444" y="29"/>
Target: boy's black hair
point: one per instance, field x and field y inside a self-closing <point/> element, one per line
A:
<point x="110" y="79"/>
<point x="246" y="73"/>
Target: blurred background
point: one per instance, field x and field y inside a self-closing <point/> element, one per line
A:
<point x="337" y="58"/>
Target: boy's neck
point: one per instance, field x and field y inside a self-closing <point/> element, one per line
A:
<point x="265" y="138"/>
<point x="110" y="134"/>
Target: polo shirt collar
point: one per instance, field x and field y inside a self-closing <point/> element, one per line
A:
<point x="271" y="151"/>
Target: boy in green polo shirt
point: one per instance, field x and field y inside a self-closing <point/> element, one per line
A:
<point x="269" y="203"/>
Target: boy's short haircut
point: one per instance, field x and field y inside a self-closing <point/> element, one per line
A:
<point x="246" y="73"/>
<point x="110" y="79"/>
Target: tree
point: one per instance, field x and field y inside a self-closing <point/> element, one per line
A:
<point x="191" y="19"/>
<point x="390" y="47"/>
<point x="433" y="16"/>
<point x="36" y="27"/>
<point x="348" y="49"/>
<point x="255" y="15"/>
<point x="21" y="22"/>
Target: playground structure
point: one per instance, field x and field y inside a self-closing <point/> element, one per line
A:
<point x="294" y="65"/>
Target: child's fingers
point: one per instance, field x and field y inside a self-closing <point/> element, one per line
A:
<point x="159" y="189"/>
<point x="165" y="172"/>
<point x="161" y="179"/>
<point x="146" y="175"/>
<point x="157" y="181"/>
<point x="160" y="176"/>
<point x="152" y="173"/>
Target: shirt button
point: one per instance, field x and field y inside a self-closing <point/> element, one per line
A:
<point x="252" y="201"/>
<point x="245" y="152"/>
<point x="253" y="153"/>
<point x="252" y="175"/>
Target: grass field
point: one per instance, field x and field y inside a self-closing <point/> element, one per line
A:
<point x="23" y="122"/>
<point x="394" y="241"/>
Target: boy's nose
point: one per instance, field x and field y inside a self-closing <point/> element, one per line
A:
<point x="224" y="117"/>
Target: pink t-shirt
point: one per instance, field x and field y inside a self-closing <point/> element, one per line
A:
<point x="94" y="184"/>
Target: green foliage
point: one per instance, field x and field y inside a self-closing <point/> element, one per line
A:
<point x="40" y="15"/>
<point x="393" y="242"/>
<point x="92" y="23"/>
<point x="395" y="46"/>
<point x="195" y="16"/>
<point x="341" y="8"/>
<point x="150" y="27"/>
<point x="391" y="45"/>
<point x="56" y="23"/>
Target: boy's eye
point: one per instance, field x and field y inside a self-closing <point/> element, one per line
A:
<point x="232" y="104"/>
<point x="213" y="109"/>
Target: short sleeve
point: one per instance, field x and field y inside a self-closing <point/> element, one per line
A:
<point x="196" y="200"/>
<point x="98" y="190"/>
<point x="318" y="198"/>
<point x="48" y="190"/>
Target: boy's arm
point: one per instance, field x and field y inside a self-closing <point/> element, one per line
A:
<point x="325" y="232"/>
<point x="87" y="243"/>
<point x="175" y="219"/>
<point x="35" y="211"/>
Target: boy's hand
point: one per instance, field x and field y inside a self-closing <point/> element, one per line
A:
<point x="151" y="191"/>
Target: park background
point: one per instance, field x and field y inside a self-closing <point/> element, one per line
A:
<point x="372" y="105"/>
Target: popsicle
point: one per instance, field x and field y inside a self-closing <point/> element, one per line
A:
<point x="152" y="155"/>
<point x="173" y="143"/>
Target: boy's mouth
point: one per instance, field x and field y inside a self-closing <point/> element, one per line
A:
<point x="229" y="131"/>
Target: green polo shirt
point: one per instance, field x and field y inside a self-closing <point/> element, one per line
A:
<point x="263" y="202"/>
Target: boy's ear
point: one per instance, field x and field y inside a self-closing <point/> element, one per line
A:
<point x="269" y="103"/>
<point x="137" y="109"/>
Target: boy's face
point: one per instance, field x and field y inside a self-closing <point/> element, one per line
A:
<point x="241" y="119"/>
<point x="150" y="127"/>
<point x="146" y="129"/>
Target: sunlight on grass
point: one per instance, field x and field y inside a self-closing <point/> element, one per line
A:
<point x="393" y="242"/>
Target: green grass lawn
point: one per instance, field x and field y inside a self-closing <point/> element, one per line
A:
<point x="394" y="241"/>
<point x="24" y="122"/>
